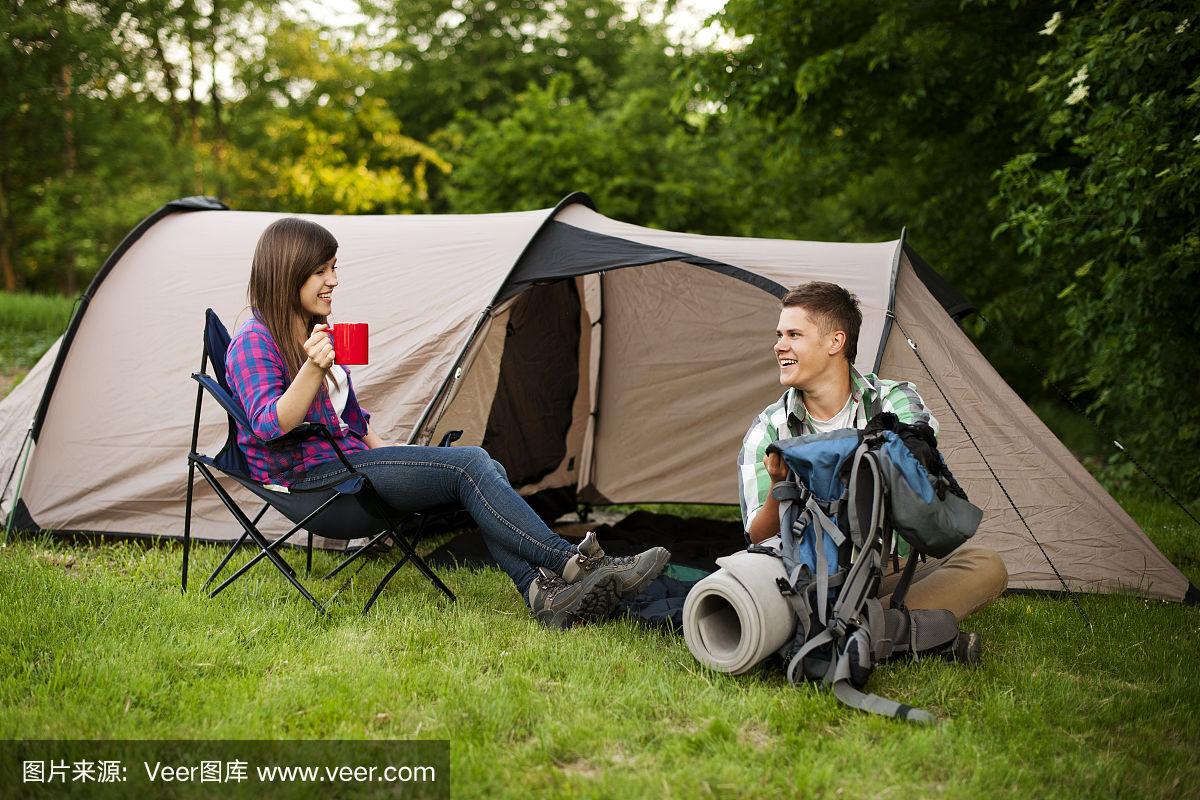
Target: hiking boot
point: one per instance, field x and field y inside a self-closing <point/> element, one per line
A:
<point x="632" y="573"/>
<point x="557" y="603"/>
<point x="966" y="649"/>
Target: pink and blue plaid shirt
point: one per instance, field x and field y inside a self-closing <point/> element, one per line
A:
<point x="258" y="377"/>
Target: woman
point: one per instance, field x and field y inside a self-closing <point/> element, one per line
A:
<point x="281" y="367"/>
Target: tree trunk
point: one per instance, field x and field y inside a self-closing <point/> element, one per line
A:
<point x="6" y="260"/>
<point x="69" y="162"/>
<point x="218" y="137"/>
<point x="172" y="84"/>
<point x="64" y="96"/>
<point x="194" y="104"/>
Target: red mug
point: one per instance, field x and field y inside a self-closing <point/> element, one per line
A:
<point x="349" y="342"/>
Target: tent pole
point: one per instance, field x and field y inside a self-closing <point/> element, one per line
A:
<point x="22" y="459"/>
<point x="451" y="376"/>
<point x="891" y="306"/>
<point x="593" y="426"/>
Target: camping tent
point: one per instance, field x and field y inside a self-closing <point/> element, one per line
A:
<point x="616" y="363"/>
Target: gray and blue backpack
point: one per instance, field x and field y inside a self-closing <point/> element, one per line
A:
<point x="846" y="493"/>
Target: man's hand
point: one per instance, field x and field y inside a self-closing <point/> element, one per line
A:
<point x="319" y="348"/>
<point x="776" y="467"/>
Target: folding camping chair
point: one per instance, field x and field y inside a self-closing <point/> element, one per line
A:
<point x="346" y="510"/>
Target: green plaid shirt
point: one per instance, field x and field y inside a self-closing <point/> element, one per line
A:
<point x="788" y="417"/>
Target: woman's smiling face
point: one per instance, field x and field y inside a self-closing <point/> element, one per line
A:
<point x="316" y="293"/>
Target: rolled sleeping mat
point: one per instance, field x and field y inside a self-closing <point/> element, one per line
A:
<point x="736" y="617"/>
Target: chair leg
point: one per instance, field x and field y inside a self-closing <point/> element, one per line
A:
<point x="410" y="551"/>
<point x="268" y="549"/>
<point x="308" y="559"/>
<point x="233" y="549"/>
<point x="187" y="523"/>
<point x="269" y="552"/>
<point x="383" y="583"/>
<point x="410" y="554"/>
<point x="224" y="561"/>
<point x="356" y="554"/>
<point x="420" y="564"/>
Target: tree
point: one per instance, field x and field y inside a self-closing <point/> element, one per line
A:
<point x="312" y="133"/>
<point x="1102" y="207"/>
<point x="892" y="115"/>
<point x="639" y="153"/>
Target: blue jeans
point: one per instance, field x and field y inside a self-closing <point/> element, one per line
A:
<point x="419" y="478"/>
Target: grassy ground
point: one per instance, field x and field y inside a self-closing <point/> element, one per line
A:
<point x="29" y="324"/>
<point x="99" y="643"/>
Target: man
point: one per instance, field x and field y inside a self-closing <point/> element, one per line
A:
<point x="816" y="344"/>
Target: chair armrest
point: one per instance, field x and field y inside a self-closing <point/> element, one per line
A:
<point x="308" y="430"/>
<point x="305" y="430"/>
<point x="450" y="438"/>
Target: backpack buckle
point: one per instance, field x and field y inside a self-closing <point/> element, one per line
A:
<point x="785" y="588"/>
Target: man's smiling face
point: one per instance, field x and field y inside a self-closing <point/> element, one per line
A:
<point x="800" y="348"/>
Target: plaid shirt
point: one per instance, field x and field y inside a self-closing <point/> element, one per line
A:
<point x="788" y="417"/>
<point x="258" y="377"/>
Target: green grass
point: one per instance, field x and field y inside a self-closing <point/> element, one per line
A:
<point x="99" y="643"/>
<point x="29" y="324"/>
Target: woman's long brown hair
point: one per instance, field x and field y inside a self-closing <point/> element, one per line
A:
<point x="288" y="251"/>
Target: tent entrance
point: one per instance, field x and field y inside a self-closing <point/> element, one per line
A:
<point x="631" y="385"/>
<point x="539" y="377"/>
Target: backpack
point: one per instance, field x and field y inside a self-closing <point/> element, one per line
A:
<point x="846" y="492"/>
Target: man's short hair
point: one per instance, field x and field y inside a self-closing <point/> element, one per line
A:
<point x="832" y="308"/>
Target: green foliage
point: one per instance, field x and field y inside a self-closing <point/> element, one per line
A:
<point x="640" y="154"/>
<point x="902" y="112"/>
<point x="890" y="116"/>
<point x="29" y="324"/>
<point x="1103" y="209"/>
<point x="310" y="134"/>
<point x="453" y="56"/>
<point x="46" y="315"/>
<point x="1044" y="160"/>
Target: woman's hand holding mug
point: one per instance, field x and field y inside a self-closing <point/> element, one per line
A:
<point x="319" y="348"/>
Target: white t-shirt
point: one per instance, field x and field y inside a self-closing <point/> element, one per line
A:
<point x="338" y="386"/>
<point x="840" y="420"/>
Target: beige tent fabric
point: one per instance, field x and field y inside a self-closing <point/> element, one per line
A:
<point x="469" y="400"/>
<point x="16" y="415"/>
<point x="111" y="456"/>
<point x="864" y="269"/>
<point x="1087" y="535"/>
<point x="685" y="367"/>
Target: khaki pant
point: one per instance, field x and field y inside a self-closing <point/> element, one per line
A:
<point x="962" y="582"/>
